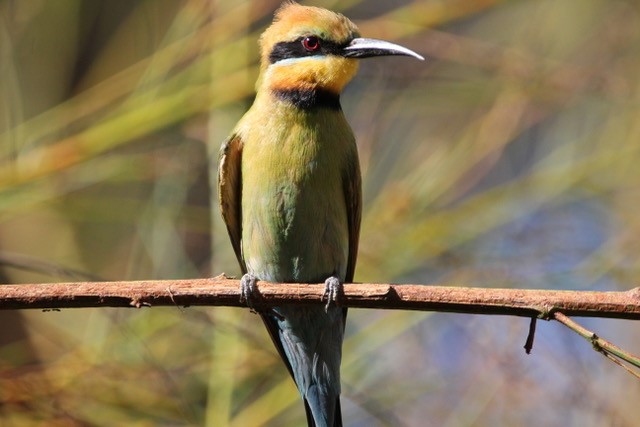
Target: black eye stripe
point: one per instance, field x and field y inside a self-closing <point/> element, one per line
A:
<point x="295" y="49"/>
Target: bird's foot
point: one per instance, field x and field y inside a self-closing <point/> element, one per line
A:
<point x="333" y="292"/>
<point x="249" y="293"/>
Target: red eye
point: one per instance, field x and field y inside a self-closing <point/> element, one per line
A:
<point x="311" y="43"/>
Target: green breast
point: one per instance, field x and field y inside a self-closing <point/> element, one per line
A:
<point x="294" y="215"/>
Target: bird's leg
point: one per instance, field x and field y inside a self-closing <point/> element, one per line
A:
<point x="248" y="290"/>
<point x="250" y="295"/>
<point x="333" y="291"/>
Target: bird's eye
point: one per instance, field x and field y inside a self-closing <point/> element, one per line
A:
<point x="311" y="43"/>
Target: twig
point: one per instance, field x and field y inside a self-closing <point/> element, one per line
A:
<point x="222" y="291"/>
<point x="610" y="351"/>
<point x="528" y="345"/>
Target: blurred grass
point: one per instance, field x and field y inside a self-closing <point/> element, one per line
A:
<point x="508" y="159"/>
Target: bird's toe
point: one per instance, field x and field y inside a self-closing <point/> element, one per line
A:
<point x="248" y="290"/>
<point x="333" y="291"/>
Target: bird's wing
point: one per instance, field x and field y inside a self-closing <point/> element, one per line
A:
<point x="230" y="192"/>
<point x="230" y="198"/>
<point x="352" y="183"/>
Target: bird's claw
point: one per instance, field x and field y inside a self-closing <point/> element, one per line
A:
<point x="248" y="290"/>
<point x="333" y="292"/>
<point x="250" y="294"/>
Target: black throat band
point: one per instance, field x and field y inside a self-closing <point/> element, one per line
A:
<point x="308" y="99"/>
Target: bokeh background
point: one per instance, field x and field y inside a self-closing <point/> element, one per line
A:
<point x="509" y="159"/>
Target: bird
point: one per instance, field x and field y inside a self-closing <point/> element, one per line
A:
<point x="289" y="189"/>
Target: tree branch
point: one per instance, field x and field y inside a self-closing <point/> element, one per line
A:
<point x="222" y="291"/>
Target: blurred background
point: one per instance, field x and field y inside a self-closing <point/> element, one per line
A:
<point x="508" y="159"/>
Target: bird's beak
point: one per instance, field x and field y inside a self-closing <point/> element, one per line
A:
<point x="366" y="48"/>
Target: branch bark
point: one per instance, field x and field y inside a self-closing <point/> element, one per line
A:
<point x="222" y="291"/>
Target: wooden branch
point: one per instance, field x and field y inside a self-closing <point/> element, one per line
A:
<point x="221" y="291"/>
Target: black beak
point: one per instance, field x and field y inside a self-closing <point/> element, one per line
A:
<point x="366" y="48"/>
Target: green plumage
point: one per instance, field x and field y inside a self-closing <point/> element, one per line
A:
<point x="290" y="195"/>
<point x="294" y="221"/>
<point x="290" y="189"/>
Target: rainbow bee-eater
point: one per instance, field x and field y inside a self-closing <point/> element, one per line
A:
<point x="290" y="189"/>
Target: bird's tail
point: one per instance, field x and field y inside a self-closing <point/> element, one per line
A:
<point x="337" y="417"/>
<point x="309" y="340"/>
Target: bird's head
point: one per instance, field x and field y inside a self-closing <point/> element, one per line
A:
<point x="308" y="48"/>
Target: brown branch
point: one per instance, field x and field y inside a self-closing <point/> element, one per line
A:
<point x="221" y="291"/>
